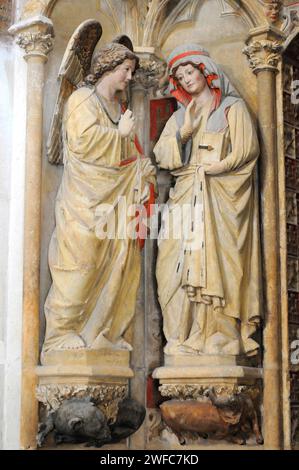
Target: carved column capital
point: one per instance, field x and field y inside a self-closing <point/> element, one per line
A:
<point x="151" y="68"/>
<point x="35" y="43"/>
<point x="263" y="54"/>
<point x="34" y="35"/>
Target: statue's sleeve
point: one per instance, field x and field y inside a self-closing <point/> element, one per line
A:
<point x="168" y="150"/>
<point x="85" y="135"/>
<point x="244" y="142"/>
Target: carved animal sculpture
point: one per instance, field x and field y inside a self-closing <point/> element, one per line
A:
<point x="230" y="418"/>
<point x="79" y="420"/>
<point x="129" y="418"/>
<point x="76" y="420"/>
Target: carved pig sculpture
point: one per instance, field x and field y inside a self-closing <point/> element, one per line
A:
<point x="230" y="418"/>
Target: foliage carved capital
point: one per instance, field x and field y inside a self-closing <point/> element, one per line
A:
<point x="35" y="43"/>
<point x="201" y="392"/>
<point x="149" y="72"/>
<point x="106" y="397"/>
<point x="263" y="55"/>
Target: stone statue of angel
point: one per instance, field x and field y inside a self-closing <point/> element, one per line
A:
<point x="91" y="302"/>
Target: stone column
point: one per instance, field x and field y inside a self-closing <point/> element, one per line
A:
<point x="144" y="80"/>
<point x="35" y="37"/>
<point x="263" y="51"/>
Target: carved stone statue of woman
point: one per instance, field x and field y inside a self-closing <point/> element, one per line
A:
<point x="208" y="267"/>
<point x="95" y="279"/>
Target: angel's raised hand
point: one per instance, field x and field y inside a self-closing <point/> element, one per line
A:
<point x="126" y="123"/>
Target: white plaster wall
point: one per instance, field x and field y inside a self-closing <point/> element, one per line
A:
<point x="13" y="331"/>
<point x="5" y="149"/>
<point x="12" y="159"/>
<point x="6" y="74"/>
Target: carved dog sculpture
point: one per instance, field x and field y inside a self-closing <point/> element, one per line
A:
<point x="79" y="420"/>
<point x="228" y="418"/>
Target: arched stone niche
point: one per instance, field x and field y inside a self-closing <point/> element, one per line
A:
<point x="251" y="9"/>
<point x="223" y="33"/>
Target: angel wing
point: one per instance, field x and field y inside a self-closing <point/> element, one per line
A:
<point x="125" y="41"/>
<point x="74" y="67"/>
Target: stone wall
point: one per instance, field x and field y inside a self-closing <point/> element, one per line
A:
<point x="6" y="74"/>
<point x="12" y="135"/>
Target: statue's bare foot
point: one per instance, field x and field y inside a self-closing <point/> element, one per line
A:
<point x="102" y="342"/>
<point x="233" y="348"/>
<point x="216" y="343"/>
<point x="123" y="344"/>
<point x="184" y="349"/>
<point x="72" y="341"/>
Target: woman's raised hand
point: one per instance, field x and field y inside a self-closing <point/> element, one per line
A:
<point x="191" y="121"/>
<point x="126" y="123"/>
<point x="190" y="114"/>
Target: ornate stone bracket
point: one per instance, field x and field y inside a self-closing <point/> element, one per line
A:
<point x="263" y="54"/>
<point x="106" y="397"/>
<point x="200" y="392"/>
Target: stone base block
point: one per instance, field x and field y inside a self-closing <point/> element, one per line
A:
<point x="101" y="374"/>
<point x="187" y="360"/>
<point x="85" y="366"/>
<point x="194" y="381"/>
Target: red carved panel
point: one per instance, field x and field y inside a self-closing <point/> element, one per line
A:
<point x="160" y="112"/>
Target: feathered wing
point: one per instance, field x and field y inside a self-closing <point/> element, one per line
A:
<point x="74" y="67"/>
<point x="124" y="40"/>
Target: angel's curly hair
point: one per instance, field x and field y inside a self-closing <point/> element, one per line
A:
<point x="107" y="58"/>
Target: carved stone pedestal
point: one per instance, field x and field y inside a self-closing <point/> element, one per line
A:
<point x="193" y="380"/>
<point x="211" y="396"/>
<point x="101" y="374"/>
